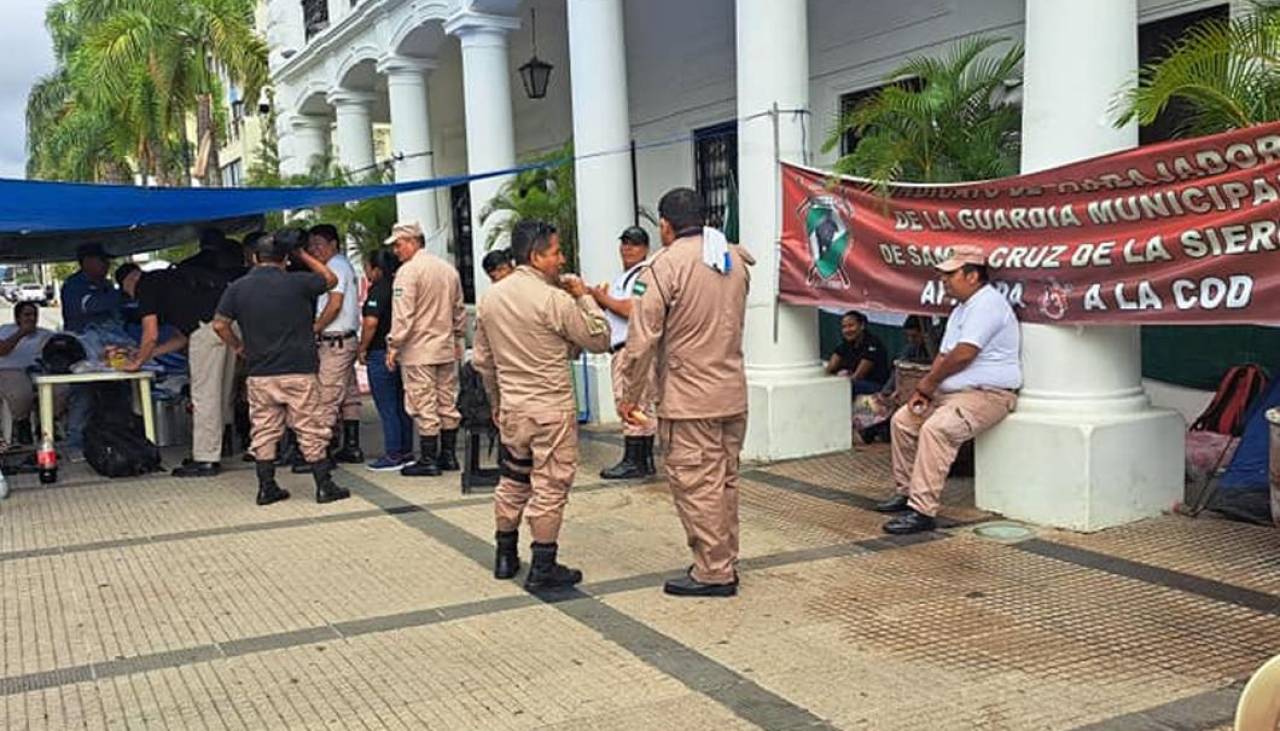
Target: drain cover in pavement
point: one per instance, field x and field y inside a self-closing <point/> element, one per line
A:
<point x="1003" y="532"/>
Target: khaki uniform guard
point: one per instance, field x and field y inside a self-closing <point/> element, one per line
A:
<point x="428" y="324"/>
<point x="693" y="315"/>
<point x="527" y="330"/>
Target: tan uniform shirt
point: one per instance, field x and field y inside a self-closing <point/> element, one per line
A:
<point x="690" y="318"/>
<point x="527" y="330"/>
<point x="428" y="317"/>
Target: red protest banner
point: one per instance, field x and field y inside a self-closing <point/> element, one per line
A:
<point x="1182" y="232"/>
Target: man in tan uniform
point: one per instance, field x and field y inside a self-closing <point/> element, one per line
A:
<point x="428" y="323"/>
<point x="275" y="310"/>
<point x="527" y="330"/>
<point x="689" y="304"/>
<point x="337" y="330"/>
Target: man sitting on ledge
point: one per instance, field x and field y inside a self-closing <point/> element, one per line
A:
<point x="972" y="386"/>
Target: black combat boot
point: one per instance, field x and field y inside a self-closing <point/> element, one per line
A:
<point x="268" y="491"/>
<point x="289" y="454"/>
<point x="327" y="490"/>
<point x="545" y="573"/>
<point x="649" y="467"/>
<point x="506" y="561"/>
<point x="350" y="452"/>
<point x="447" y="461"/>
<point x="426" y="466"/>
<point x="632" y="464"/>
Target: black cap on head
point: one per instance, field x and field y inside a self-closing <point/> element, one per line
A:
<point x="635" y="235"/>
<point x="91" y="249"/>
<point x="212" y="238"/>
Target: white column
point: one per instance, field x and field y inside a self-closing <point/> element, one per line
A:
<point x="309" y="142"/>
<point x="795" y="409"/>
<point x="411" y="142"/>
<point x="354" y="111"/>
<point x="486" y="81"/>
<point x="1084" y="450"/>
<point x="601" y="124"/>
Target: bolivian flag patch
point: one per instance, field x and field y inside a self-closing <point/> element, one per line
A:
<point x="638" y="288"/>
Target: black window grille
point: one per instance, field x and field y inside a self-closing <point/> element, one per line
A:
<point x="850" y="101"/>
<point x="715" y="158"/>
<point x="460" y="202"/>
<point x="315" y="16"/>
<point x="1153" y="44"/>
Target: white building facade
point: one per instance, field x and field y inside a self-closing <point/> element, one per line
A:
<point x="663" y="93"/>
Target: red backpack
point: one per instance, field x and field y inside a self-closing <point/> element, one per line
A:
<point x="1227" y="412"/>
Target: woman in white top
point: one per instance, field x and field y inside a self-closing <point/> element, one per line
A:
<point x="20" y="345"/>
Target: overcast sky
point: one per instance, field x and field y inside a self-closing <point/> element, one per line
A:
<point x="27" y="55"/>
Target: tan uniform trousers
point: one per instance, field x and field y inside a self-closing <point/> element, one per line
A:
<point x="538" y="461"/>
<point x="650" y="426"/>
<point x="338" y="391"/>
<point x="294" y="401"/>
<point x="212" y="366"/>
<point x="925" y="445"/>
<point x="431" y="397"/>
<point x="702" y="470"/>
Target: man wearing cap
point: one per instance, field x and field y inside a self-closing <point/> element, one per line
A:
<point x="275" y="309"/>
<point x="497" y="265"/>
<point x="689" y="304"/>
<point x="527" y="329"/>
<point x="972" y="386"/>
<point x="615" y="300"/>
<point x="428" y="324"/>
<point x="337" y="329"/>
<point x="88" y="297"/>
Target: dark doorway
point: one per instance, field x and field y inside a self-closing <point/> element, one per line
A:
<point x="460" y="242"/>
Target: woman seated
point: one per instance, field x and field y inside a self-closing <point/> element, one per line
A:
<point x="20" y="344"/>
<point x="860" y="357"/>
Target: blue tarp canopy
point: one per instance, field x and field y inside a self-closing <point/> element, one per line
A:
<point x="44" y="221"/>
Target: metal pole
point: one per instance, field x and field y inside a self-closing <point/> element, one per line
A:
<point x="635" y="187"/>
<point x="777" y="202"/>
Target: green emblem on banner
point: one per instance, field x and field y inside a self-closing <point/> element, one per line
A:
<point x="827" y="228"/>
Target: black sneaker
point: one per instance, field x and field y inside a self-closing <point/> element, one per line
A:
<point x="909" y="522"/>
<point x="688" y="586"/>
<point x="191" y="468"/>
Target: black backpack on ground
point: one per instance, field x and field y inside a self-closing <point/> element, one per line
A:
<point x="114" y="440"/>
<point x="60" y="352"/>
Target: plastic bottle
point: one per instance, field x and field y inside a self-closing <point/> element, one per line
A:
<point x="47" y="461"/>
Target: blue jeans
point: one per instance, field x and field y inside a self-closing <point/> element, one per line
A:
<point x="388" y="397"/>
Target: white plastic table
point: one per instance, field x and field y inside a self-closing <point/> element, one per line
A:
<point x="142" y="379"/>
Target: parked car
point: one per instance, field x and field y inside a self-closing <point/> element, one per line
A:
<point x="9" y="290"/>
<point x="33" y="292"/>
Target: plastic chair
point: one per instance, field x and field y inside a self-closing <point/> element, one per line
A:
<point x="1259" y="706"/>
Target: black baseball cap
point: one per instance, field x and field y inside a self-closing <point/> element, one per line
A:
<point x="635" y="235"/>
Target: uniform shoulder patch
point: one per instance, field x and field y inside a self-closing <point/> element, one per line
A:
<point x="398" y="291"/>
<point x="638" y="288"/>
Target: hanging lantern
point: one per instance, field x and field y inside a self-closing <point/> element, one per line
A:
<point x="535" y="73"/>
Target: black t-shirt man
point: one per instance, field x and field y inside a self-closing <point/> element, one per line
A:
<point x="275" y="310"/>
<point x="378" y="304"/>
<point x="866" y="347"/>
<point x="178" y="299"/>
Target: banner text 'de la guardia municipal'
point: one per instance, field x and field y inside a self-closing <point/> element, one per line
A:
<point x="1182" y="232"/>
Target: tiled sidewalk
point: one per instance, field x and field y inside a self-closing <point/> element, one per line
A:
<point x="180" y="604"/>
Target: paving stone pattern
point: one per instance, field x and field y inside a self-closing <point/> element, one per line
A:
<point x="164" y="603"/>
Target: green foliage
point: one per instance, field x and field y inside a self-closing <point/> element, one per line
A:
<point x="129" y="72"/>
<point x="1224" y="75"/>
<point x="544" y="194"/>
<point x="954" y="124"/>
<point x="367" y="222"/>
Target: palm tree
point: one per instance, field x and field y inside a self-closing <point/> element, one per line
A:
<point x="129" y="73"/>
<point x="544" y="193"/>
<point x="1222" y="74"/>
<point x="946" y="119"/>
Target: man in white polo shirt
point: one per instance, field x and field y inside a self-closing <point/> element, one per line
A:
<point x="337" y="329"/>
<point x="972" y="385"/>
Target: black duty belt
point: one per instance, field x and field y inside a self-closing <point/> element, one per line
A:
<point x="334" y="337"/>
